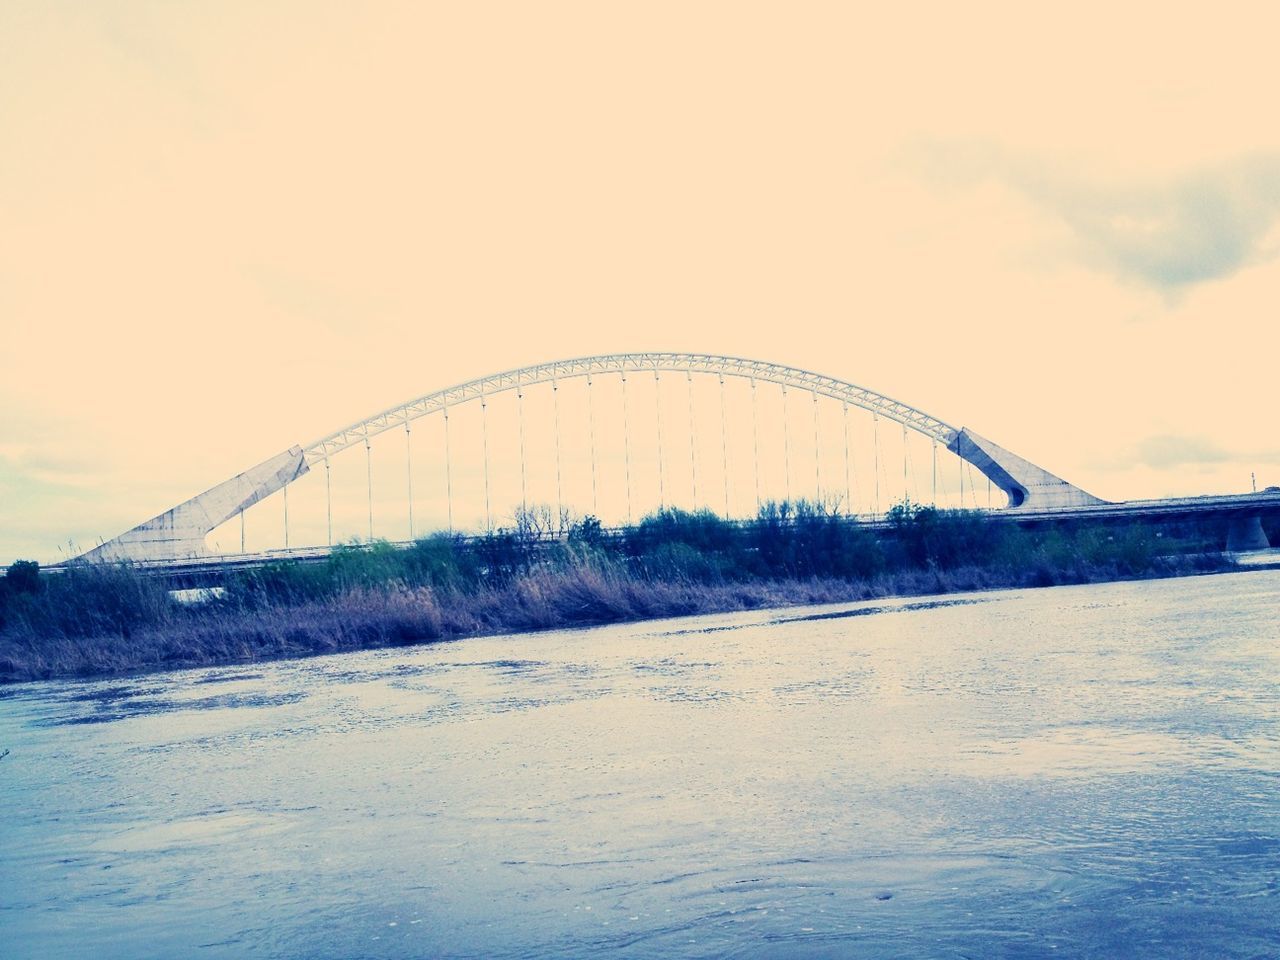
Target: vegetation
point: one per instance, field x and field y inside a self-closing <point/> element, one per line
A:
<point x="101" y="618"/>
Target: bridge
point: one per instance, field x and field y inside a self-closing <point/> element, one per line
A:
<point x="648" y="430"/>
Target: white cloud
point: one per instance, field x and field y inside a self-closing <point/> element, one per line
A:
<point x="1169" y="234"/>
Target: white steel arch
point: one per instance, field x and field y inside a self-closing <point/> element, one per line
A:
<point x="523" y="377"/>
<point x="180" y="532"/>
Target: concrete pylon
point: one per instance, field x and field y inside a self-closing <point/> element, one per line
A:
<point x="1245" y="533"/>
<point x="1028" y="487"/>
<point x="179" y="533"/>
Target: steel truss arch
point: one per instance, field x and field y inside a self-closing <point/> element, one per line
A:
<point x="622" y="363"/>
<point x="180" y="532"/>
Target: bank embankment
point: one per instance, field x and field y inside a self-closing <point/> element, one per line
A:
<point x="110" y="619"/>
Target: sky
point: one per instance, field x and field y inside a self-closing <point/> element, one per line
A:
<point x="229" y="228"/>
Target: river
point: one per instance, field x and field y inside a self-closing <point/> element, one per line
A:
<point x="1069" y="772"/>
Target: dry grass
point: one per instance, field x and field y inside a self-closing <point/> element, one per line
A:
<point x="578" y="594"/>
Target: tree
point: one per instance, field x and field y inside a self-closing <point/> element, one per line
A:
<point x="23" y="576"/>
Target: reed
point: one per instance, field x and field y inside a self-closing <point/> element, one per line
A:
<point x="107" y="618"/>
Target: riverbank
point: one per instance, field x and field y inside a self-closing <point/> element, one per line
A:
<point x="104" y="620"/>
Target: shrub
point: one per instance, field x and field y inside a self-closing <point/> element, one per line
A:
<point x="808" y="539"/>
<point x="23" y="576"/>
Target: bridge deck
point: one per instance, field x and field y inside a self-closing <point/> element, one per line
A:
<point x="1173" y="508"/>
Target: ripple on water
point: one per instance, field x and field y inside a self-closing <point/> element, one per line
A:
<point x="1084" y="772"/>
<point x="229" y="677"/>
<point x="126" y="708"/>
<point x="845" y="613"/>
<point x="1091" y="751"/>
<point x="203" y="829"/>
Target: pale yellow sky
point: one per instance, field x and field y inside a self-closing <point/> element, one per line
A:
<point x="227" y="228"/>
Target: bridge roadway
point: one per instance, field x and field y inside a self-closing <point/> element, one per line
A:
<point x="1226" y="506"/>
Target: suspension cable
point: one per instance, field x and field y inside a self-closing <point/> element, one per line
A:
<point x="906" y="492"/>
<point x="724" y="448"/>
<point x="591" y="417"/>
<point x="484" y="431"/>
<point x="626" y="442"/>
<point x="693" y="430"/>
<point x="657" y="404"/>
<point x="935" y="473"/>
<point x="755" y="429"/>
<point x="408" y="451"/>
<point x="875" y="421"/>
<point x="368" y="462"/>
<point x="524" y="499"/>
<point x="786" y="441"/>
<point x="555" y="399"/>
<point x="848" y="487"/>
<point x="915" y="476"/>
<point x="448" y="471"/>
<point x="817" y="448"/>
<point x="328" y="501"/>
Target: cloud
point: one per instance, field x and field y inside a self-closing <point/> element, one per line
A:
<point x="1167" y="451"/>
<point x="1169" y="235"/>
<point x="1202" y="227"/>
<point x="45" y="449"/>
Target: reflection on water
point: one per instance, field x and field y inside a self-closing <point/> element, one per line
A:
<point x="845" y="611"/>
<point x="119" y="704"/>
<point x="1085" y="771"/>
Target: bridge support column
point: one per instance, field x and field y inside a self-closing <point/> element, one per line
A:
<point x="1245" y="533"/>
<point x="179" y="533"/>
<point x="1027" y="486"/>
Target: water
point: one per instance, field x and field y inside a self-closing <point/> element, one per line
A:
<point x="1073" y="772"/>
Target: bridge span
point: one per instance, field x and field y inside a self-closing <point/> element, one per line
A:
<point x="177" y="538"/>
<point x="1241" y="515"/>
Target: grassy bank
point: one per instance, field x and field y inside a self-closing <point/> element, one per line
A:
<point x="111" y="619"/>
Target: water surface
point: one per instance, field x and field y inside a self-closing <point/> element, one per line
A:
<point x="1071" y="772"/>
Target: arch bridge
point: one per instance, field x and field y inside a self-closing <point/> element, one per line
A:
<point x="181" y="532"/>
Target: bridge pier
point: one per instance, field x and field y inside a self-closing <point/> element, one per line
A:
<point x="1027" y="486"/>
<point x="1245" y="533"/>
<point x="179" y="533"/>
